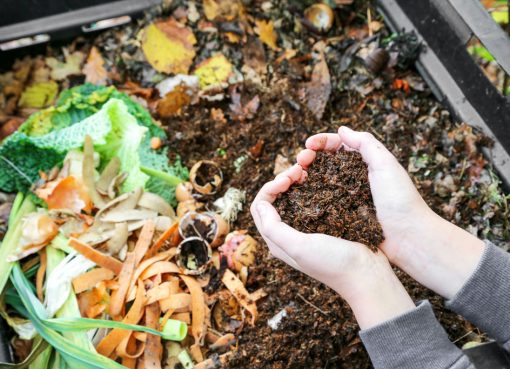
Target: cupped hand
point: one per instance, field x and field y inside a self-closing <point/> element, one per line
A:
<point x="416" y="239"/>
<point x="400" y="208"/>
<point x="363" y="278"/>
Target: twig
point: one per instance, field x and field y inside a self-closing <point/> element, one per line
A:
<point x="369" y="22"/>
<point x="312" y="305"/>
<point x="464" y="336"/>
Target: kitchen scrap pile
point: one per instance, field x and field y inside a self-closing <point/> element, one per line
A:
<point x="106" y="272"/>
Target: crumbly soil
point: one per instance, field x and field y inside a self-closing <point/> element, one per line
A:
<point x="320" y="330"/>
<point x="335" y="199"/>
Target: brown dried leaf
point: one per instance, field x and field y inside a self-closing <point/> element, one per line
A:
<point x="240" y="112"/>
<point x="281" y="164"/>
<point x="94" y="68"/>
<point x="254" y="55"/>
<point x="318" y="90"/>
<point x="173" y="102"/>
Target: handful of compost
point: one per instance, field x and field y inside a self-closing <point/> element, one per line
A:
<point x="335" y="200"/>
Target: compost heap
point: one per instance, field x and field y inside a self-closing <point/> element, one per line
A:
<point x="244" y="83"/>
<point x="101" y="266"/>
<point x="335" y="199"/>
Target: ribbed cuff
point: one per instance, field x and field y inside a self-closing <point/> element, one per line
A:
<point x="484" y="299"/>
<point x="413" y="340"/>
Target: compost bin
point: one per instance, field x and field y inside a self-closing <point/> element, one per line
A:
<point x="228" y="91"/>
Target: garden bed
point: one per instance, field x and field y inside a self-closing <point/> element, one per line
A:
<point x="263" y="121"/>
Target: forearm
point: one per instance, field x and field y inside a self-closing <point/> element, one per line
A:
<point x="442" y="258"/>
<point x="485" y="298"/>
<point x="397" y="333"/>
<point x="413" y="340"/>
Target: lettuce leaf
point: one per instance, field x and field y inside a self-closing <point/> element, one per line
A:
<point x="118" y="126"/>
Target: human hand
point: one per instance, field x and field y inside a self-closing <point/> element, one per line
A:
<point x="416" y="239"/>
<point x="363" y="278"/>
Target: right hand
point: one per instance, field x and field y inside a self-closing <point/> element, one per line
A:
<point x="363" y="278"/>
<point x="416" y="239"/>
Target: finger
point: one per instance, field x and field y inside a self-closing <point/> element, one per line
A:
<point x="306" y="157"/>
<point x="272" y="189"/>
<point x="373" y="152"/>
<point x="324" y="142"/>
<point x="274" y="230"/>
<point x="304" y="176"/>
<point x="294" y="173"/>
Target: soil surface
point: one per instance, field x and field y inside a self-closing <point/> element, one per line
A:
<point x="319" y="330"/>
<point x="335" y="200"/>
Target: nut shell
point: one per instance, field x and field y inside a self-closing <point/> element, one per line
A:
<point x="209" y="185"/>
<point x="320" y="16"/>
<point x="186" y="206"/>
<point x="377" y="60"/>
<point x="209" y="226"/>
<point x="193" y="250"/>
<point x="184" y="191"/>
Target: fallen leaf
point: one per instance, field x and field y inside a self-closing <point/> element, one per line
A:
<point x="193" y="14"/>
<point x="401" y="84"/>
<point x="213" y="71"/>
<point x="71" y="65"/>
<point x="254" y="55"/>
<point x="168" y="46"/>
<point x="240" y="112"/>
<point x="40" y="72"/>
<point x="10" y="127"/>
<point x="94" y="68"/>
<point x="173" y="102"/>
<point x="266" y="32"/>
<point x="225" y="10"/>
<point x="281" y="164"/>
<point x="318" y="90"/>
<point x="133" y="88"/>
<point x="256" y="150"/>
<point x="232" y="37"/>
<point x="39" y="95"/>
<point x="218" y="116"/>
<point x="169" y="84"/>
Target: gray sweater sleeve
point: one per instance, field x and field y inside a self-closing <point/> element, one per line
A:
<point x="485" y="298"/>
<point x="414" y="340"/>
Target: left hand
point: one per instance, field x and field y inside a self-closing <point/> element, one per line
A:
<point x="363" y="278"/>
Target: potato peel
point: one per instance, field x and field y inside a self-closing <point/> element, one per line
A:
<point x="236" y="287"/>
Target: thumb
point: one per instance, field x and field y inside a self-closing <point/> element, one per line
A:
<point x="267" y="213"/>
<point x="273" y="229"/>
<point x="373" y="152"/>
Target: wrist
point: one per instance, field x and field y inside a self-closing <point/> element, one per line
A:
<point x="440" y="255"/>
<point x="377" y="295"/>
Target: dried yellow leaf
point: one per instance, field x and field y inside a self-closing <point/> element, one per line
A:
<point x="213" y="71"/>
<point x="39" y="95"/>
<point x="61" y="70"/>
<point x="225" y="10"/>
<point x="168" y="46"/>
<point x="267" y="33"/>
